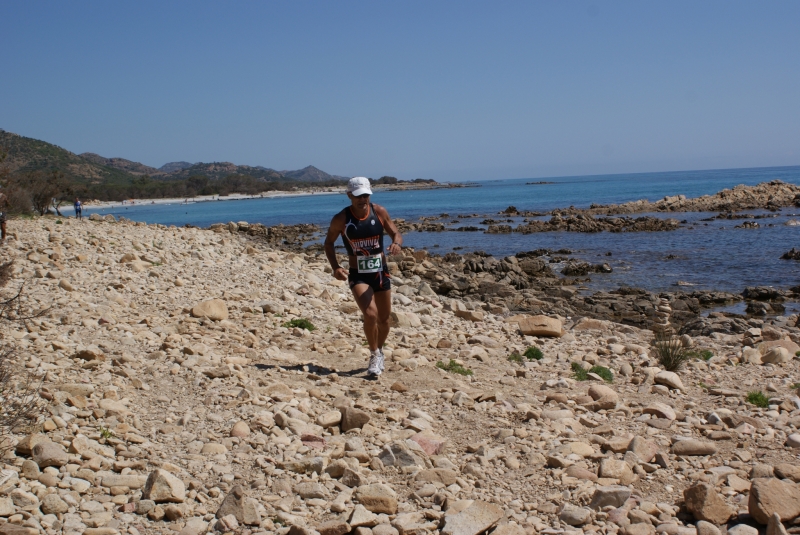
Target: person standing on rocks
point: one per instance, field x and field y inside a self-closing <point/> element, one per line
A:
<point x="361" y="226"/>
<point x="3" y="207"/>
<point x="78" y="209"/>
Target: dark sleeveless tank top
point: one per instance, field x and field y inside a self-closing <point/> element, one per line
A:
<point x="362" y="237"/>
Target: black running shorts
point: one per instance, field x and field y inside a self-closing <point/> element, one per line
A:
<point x="379" y="282"/>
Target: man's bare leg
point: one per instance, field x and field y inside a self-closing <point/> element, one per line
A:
<point x="383" y="302"/>
<point x="364" y="299"/>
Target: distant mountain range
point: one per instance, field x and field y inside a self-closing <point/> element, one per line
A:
<point x="28" y="155"/>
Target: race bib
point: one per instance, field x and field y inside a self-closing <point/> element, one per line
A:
<point x="370" y="264"/>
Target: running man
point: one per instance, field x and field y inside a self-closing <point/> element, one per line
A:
<point x="78" y="209"/>
<point x="361" y="226"/>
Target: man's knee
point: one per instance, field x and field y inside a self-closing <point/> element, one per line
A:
<point x="371" y="316"/>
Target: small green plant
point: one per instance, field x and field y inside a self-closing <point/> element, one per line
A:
<point x="670" y="352"/>
<point x="453" y="367"/>
<point x="702" y="385"/>
<point x="583" y="375"/>
<point x="105" y="432"/>
<point x="300" y="323"/>
<point x="796" y="385"/>
<point x="515" y="357"/>
<point x="797" y="353"/>
<point x="580" y="373"/>
<point x="533" y="353"/>
<point x="702" y="355"/>
<point x="757" y="398"/>
<point x="59" y="222"/>
<point x="603" y="372"/>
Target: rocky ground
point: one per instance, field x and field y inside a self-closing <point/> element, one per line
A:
<point x="177" y="400"/>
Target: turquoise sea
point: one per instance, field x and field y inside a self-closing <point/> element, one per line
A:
<point x="706" y="254"/>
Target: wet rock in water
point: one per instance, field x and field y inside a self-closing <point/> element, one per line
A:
<point x="581" y="269"/>
<point x="791" y="254"/>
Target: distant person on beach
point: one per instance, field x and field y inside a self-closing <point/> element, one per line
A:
<point x="78" y="209"/>
<point x="3" y="208"/>
<point x="361" y="226"/>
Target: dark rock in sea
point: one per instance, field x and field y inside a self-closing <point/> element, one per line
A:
<point x="499" y="229"/>
<point x="757" y="308"/>
<point x="709" y="299"/>
<point x="792" y="254"/>
<point x="580" y="269"/>
<point x="706" y="326"/>
<point x="765" y="293"/>
<point x="586" y="223"/>
<point x="748" y="224"/>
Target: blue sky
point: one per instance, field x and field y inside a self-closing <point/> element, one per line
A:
<point x="445" y="90"/>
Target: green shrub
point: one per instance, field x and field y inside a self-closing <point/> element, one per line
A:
<point x="757" y="398"/>
<point x="453" y="367"/>
<point x="533" y="353"/>
<point x="670" y="352"/>
<point x="797" y="353"/>
<point x="603" y="372"/>
<point x="301" y="323"/>
<point x="580" y="373"/>
<point x="702" y="355"/>
<point x="583" y="375"/>
<point x="515" y="357"/>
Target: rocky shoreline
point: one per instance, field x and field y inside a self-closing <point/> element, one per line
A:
<point x="772" y="195"/>
<point x="178" y="396"/>
<point x="525" y="283"/>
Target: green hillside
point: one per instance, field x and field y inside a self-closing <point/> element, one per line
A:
<point x="30" y="161"/>
<point x="27" y="155"/>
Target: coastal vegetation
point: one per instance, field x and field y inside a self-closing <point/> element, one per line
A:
<point x="582" y="374"/>
<point x="36" y="172"/>
<point x="453" y="367"/>
<point x="300" y="323"/>
<point x="670" y="352"/>
<point x="757" y="398"/>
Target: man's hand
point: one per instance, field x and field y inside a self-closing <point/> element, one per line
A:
<point x="394" y="249"/>
<point x="340" y="273"/>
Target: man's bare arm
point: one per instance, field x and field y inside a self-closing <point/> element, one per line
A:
<point x="391" y="230"/>
<point x="336" y="228"/>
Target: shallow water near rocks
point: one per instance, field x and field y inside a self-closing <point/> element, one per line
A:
<point x="701" y="255"/>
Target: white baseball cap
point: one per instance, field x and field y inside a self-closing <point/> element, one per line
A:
<point x="359" y="185"/>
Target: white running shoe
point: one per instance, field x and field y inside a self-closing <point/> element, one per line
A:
<point x="383" y="359"/>
<point x="375" y="363"/>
